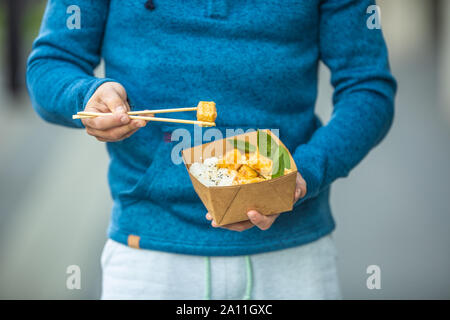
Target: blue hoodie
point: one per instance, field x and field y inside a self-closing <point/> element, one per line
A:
<point x="258" y="61"/>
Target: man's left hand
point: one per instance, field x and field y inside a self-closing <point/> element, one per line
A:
<point x="257" y="219"/>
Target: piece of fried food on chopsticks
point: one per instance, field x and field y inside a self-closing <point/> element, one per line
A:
<point x="206" y="111"/>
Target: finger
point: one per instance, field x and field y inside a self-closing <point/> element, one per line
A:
<point x="208" y="216"/>
<point x="300" y="188"/>
<point x="102" y="139"/>
<point x="107" y="122"/>
<point x="261" y="221"/>
<point x="116" y="103"/>
<point x="298" y="193"/>
<point x="238" y="226"/>
<point x="115" y="134"/>
<point x="139" y="123"/>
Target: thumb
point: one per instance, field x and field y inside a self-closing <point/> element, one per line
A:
<point x="116" y="104"/>
<point x="300" y="187"/>
<point x="115" y="98"/>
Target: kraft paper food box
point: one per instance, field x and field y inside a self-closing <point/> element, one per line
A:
<point x="230" y="204"/>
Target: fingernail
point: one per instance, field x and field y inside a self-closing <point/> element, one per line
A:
<point x="120" y="110"/>
<point x="251" y="214"/>
<point x="124" y="119"/>
<point x="141" y="124"/>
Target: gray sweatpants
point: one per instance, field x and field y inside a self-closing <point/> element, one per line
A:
<point x="303" y="272"/>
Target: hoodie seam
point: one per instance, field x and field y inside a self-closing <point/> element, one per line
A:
<point x="237" y="244"/>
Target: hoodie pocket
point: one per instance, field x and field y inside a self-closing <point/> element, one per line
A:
<point x="141" y="188"/>
<point x="171" y="183"/>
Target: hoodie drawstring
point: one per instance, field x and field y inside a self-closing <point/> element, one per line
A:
<point x="249" y="274"/>
<point x="249" y="285"/>
<point x="208" y="278"/>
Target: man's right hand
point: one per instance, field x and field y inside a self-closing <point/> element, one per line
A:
<point x="110" y="97"/>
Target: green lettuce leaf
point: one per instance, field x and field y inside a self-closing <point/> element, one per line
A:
<point x="242" y="145"/>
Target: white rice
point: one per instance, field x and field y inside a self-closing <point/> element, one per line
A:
<point x="209" y="175"/>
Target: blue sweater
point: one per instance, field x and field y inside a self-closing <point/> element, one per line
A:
<point x="258" y="61"/>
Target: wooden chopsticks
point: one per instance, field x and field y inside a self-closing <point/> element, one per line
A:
<point x="140" y="112"/>
<point x="138" y="115"/>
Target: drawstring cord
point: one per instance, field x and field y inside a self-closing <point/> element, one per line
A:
<point x="208" y="278"/>
<point x="249" y="274"/>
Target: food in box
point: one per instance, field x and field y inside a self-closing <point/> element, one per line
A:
<point x="249" y="171"/>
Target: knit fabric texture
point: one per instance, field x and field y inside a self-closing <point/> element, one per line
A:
<point x="258" y="60"/>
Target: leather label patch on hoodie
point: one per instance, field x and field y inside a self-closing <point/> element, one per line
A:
<point x="133" y="241"/>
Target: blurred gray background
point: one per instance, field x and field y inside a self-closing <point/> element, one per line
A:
<point x="393" y="211"/>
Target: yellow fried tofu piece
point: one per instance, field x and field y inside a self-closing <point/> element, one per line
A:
<point x="206" y="111"/>
<point x="233" y="160"/>
<point x="261" y="164"/>
<point x="241" y="180"/>
<point x="257" y="179"/>
<point x="286" y="171"/>
<point x="247" y="172"/>
<point x="246" y="175"/>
